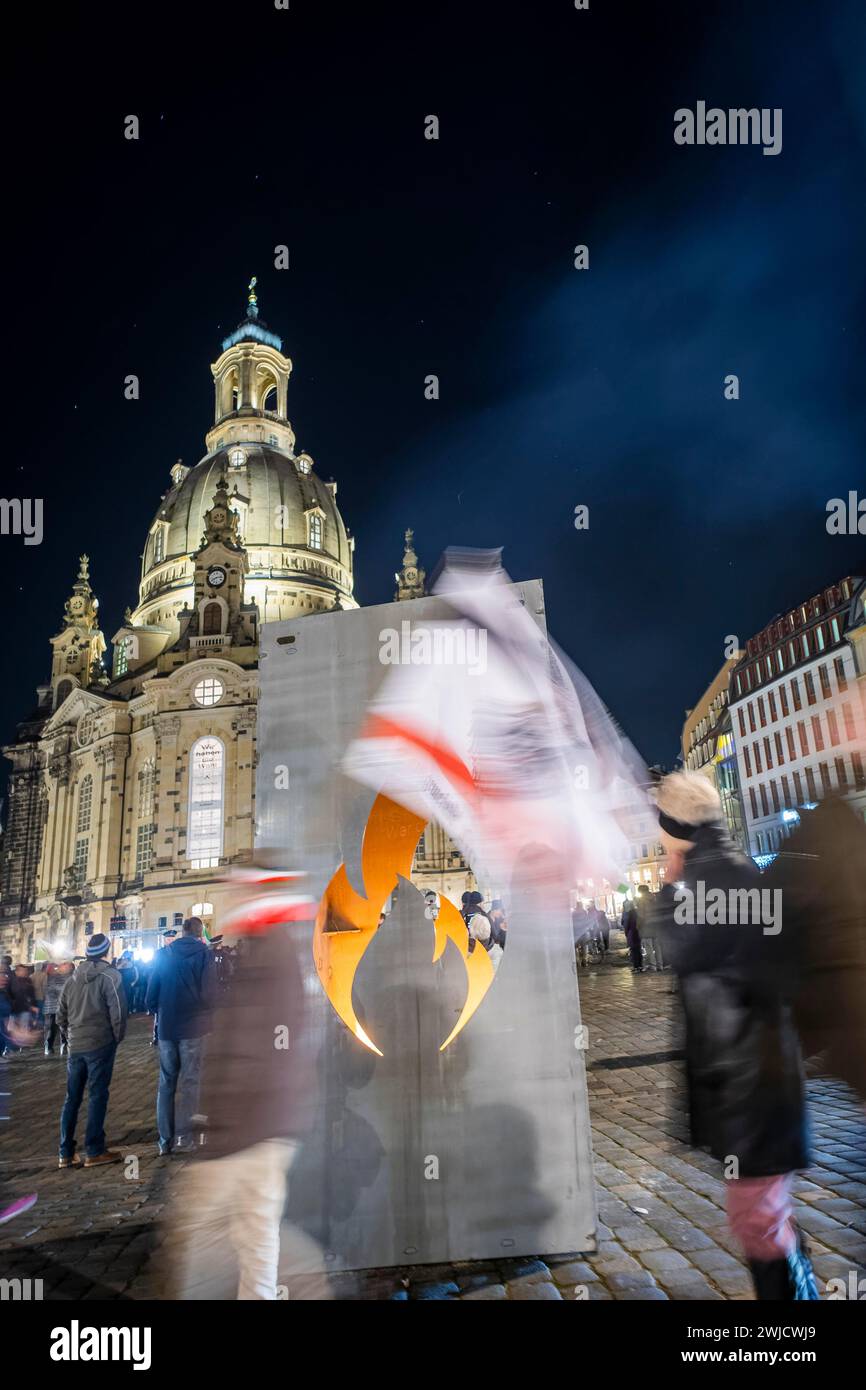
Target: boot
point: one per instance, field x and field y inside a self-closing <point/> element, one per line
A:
<point x="785" y="1281"/>
<point x="49" y="1050"/>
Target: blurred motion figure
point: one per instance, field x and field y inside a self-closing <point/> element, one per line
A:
<point x="821" y="871"/>
<point x="258" y="1096"/>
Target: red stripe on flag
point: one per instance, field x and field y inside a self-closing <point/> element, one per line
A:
<point x="379" y="727"/>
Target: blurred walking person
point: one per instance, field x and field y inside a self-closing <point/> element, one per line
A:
<point x="92" y="1013"/>
<point x="743" y="1063"/>
<point x="629" y="924"/>
<point x="258" y="1095"/>
<point x="182" y="993"/>
<point x="39" y="979"/>
<point x="128" y="971"/>
<point x="56" y="979"/>
<point x="651" y="940"/>
<point x="821" y="871"/>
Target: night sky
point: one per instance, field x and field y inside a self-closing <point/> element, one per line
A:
<point x="409" y="257"/>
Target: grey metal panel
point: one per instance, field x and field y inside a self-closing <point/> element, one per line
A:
<point x="503" y="1111"/>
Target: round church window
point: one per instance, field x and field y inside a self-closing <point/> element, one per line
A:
<point x="209" y="691"/>
<point x="84" y="728"/>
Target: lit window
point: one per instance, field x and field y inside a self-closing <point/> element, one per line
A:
<point x="209" y="691"/>
<point x="206" y="776"/>
<point x="201" y="910"/>
<point x="315" y="531"/>
<point x="145" y="790"/>
<point x="121" y="660"/>
<point x="272" y="440"/>
<point x="237" y="458"/>
<point x="85" y="804"/>
<point x="159" y="545"/>
<point x="304" y="463"/>
<point x="81" y="853"/>
<point x="143" y="849"/>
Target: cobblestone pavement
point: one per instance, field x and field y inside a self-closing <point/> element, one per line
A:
<point x="662" y="1232"/>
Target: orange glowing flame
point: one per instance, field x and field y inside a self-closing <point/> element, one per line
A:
<point x="347" y="922"/>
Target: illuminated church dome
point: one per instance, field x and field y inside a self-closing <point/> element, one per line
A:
<point x="299" y="552"/>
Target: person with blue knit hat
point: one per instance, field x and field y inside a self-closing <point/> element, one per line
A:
<point x="92" y="1013"/>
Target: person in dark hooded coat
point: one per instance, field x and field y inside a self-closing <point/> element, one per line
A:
<point x="821" y="873"/>
<point x="743" y="1062"/>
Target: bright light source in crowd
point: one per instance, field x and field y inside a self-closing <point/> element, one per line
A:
<point x="790" y="815"/>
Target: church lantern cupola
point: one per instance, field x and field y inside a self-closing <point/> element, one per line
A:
<point x="251" y="383"/>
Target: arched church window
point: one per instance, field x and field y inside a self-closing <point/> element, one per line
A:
<point x="64" y="690"/>
<point x="237" y="458"/>
<point x="146" y="779"/>
<point x="316" y="530"/>
<point x="85" y="804"/>
<point x="206" y="798"/>
<point x="159" y="545"/>
<point x="212" y="620"/>
<point x="121" y="658"/>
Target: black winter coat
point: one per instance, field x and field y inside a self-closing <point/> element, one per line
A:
<point x="821" y="872"/>
<point x="743" y="1063"/>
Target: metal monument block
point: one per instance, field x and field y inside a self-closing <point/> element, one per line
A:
<point x="452" y="1119"/>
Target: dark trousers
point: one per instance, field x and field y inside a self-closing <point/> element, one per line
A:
<point x="51" y="1031"/>
<point x="93" y="1070"/>
<point x="179" y="1082"/>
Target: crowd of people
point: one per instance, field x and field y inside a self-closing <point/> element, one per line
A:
<point x="756" y="1001"/>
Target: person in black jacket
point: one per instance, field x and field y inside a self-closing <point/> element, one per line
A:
<point x="743" y="1063"/>
<point x="181" y="992"/>
<point x="821" y="873"/>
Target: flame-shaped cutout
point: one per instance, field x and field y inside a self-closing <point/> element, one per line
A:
<point x="347" y="922"/>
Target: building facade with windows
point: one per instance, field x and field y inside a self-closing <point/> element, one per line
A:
<point x="799" y="715"/>
<point x="131" y="792"/>
<point x="708" y="746"/>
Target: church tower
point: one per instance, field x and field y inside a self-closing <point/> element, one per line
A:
<point x="411" y="579"/>
<point x="219" y="619"/>
<point x="78" y="646"/>
<point x="132" y="797"/>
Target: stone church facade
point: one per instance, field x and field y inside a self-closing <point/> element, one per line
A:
<point x="131" y="792"/>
